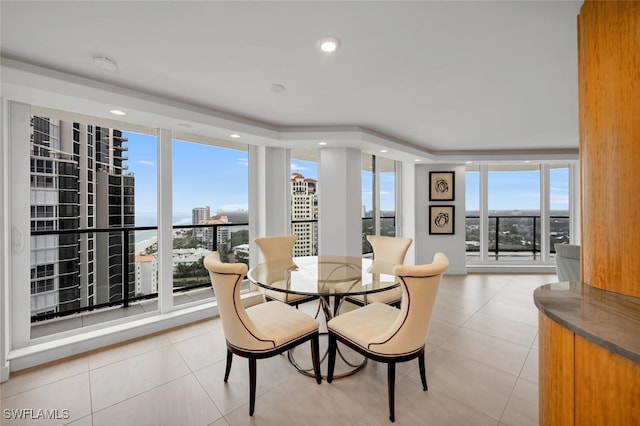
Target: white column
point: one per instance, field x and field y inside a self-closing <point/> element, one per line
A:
<point x="406" y="213"/>
<point x="339" y="202"/>
<point x="165" y="221"/>
<point x="269" y="195"/>
<point x="17" y="173"/>
<point x="574" y="203"/>
<point x="545" y="207"/>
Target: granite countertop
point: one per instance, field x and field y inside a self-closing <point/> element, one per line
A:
<point x="608" y="319"/>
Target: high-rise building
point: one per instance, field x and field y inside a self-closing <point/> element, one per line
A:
<point x="79" y="180"/>
<point x="198" y="214"/>
<point x="304" y="214"/>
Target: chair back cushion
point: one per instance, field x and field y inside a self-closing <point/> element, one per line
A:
<point x="419" y="288"/>
<point x="239" y="330"/>
<point x="277" y="247"/>
<point x="387" y="252"/>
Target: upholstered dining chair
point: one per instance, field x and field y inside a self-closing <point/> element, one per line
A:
<point x="383" y="333"/>
<point x="279" y="248"/>
<point x="260" y="331"/>
<point x="387" y="253"/>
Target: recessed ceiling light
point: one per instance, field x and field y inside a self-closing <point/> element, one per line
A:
<point x="416" y="160"/>
<point x="323" y="143"/>
<point x="328" y="45"/>
<point x="105" y="63"/>
<point x="383" y="150"/>
<point x="117" y="112"/>
<point x="234" y="136"/>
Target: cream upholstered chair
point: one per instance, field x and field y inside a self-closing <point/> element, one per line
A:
<point x="279" y="248"/>
<point x="260" y="331"/>
<point x="387" y="253"/>
<point x="386" y="334"/>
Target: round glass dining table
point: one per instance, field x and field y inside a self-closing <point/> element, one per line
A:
<point x="330" y="278"/>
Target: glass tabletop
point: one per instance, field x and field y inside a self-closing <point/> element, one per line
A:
<point x="321" y="276"/>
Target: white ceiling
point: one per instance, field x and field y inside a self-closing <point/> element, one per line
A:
<point x="440" y="77"/>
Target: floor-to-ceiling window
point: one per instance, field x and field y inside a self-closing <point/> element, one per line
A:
<point x="378" y="177"/>
<point x="94" y="219"/>
<point x="516" y="211"/>
<point x="83" y="195"/>
<point x="210" y="211"/>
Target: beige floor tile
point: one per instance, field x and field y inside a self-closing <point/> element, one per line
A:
<point x="508" y="311"/>
<point x="271" y="373"/>
<point x="35" y="377"/>
<point x="220" y="422"/>
<point x="431" y="408"/>
<point x="483" y="328"/>
<point x="124" y="379"/>
<point x="179" y="402"/>
<point x="192" y="330"/>
<point x="368" y="386"/>
<point x="513" y="331"/>
<point x="530" y="368"/>
<point x="475" y="384"/>
<point x="84" y="421"/>
<point x="497" y="353"/>
<point x="203" y="350"/>
<point x="300" y="401"/>
<point x="67" y="400"/>
<point x="522" y="408"/>
<point x="111" y="354"/>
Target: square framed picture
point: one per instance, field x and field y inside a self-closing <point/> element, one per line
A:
<point x="441" y="186"/>
<point x="441" y="219"/>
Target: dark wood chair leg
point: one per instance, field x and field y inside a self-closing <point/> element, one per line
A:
<point x="252" y="385"/>
<point x="315" y="357"/>
<point x="423" y="373"/>
<point x="336" y="305"/>
<point x="227" y="369"/>
<point x="391" y="386"/>
<point x="332" y="357"/>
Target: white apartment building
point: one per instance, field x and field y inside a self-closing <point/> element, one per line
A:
<point x="146" y="275"/>
<point x="304" y="214"/>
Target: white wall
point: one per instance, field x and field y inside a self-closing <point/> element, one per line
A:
<point x="427" y="245"/>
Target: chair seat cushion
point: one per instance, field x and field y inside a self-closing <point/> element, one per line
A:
<point x="280" y="322"/>
<point x="363" y="325"/>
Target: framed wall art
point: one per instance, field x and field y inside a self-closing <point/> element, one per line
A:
<point x="441" y="219"/>
<point x="441" y="186"/>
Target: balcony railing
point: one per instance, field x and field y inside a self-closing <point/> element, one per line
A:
<point x="121" y="285"/>
<point x="515" y="236"/>
<point x="101" y="283"/>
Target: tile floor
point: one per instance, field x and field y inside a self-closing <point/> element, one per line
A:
<point x="482" y="369"/>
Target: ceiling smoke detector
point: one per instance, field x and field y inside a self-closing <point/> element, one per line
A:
<point x="105" y="63"/>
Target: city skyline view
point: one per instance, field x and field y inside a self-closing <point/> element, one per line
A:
<point x="196" y="164"/>
<point x="198" y="167"/>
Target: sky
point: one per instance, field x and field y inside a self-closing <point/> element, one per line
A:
<point x="518" y="190"/>
<point x="217" y="177"/>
